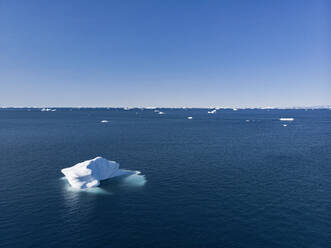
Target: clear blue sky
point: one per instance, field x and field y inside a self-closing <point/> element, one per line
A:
<point x="165" y="53"/>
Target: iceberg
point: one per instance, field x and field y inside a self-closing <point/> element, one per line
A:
<point x="47" y="110"/>
<point x="212" y="111"/>
<point x="286" y="119"/>
<point x="89" y="173"/>
<point x="190" y="117"/>
<point x="104" y="121"/>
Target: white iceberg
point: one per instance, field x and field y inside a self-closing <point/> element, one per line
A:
<point x="104" y="121"/>
<point x="190" y="117"/>
<point x="286" y="119"/>
<point x="161" y="113"/>
<point x="88" y="174"/>
<point x="45" y="109"/>
<point x="212" y="111"/>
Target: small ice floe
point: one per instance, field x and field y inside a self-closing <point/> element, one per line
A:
<point x="46" y="109"/>
<point x="212" y="111"/>
<point x="89" y="173"/>
<point x="104" y="121"/>
<point x="190" y="117"/>
<point x="286" y="119"/>
<point x="234" y="109"/>
<point x="284" y="125"/>
<point x="161" y="113"/>
<point x="247" y="120"/>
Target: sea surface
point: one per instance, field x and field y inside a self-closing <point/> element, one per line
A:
<point x="230" y="179"/>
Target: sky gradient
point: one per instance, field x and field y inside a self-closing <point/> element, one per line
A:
<point x="165" y="53"/>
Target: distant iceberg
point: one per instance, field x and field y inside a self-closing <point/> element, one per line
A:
<point x="161" y="113"/>
<point x="88" y="174"/>
<point x="47" y="110"/>
<point x="190" y="117"/>
<point x="104" y="121"/>
<point x="267" y="107"/>
<point x="286" y="119"/>
<point x="212" y="111"/>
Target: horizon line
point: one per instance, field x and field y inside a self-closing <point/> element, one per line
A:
<point x="327" y="106"/>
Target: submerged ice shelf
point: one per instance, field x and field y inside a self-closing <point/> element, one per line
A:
<point x="88" y="174"/>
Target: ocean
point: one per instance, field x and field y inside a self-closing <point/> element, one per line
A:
<point x="230" y="179"/>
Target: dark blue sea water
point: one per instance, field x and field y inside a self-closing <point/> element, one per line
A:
<point x="213" y="181"/>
